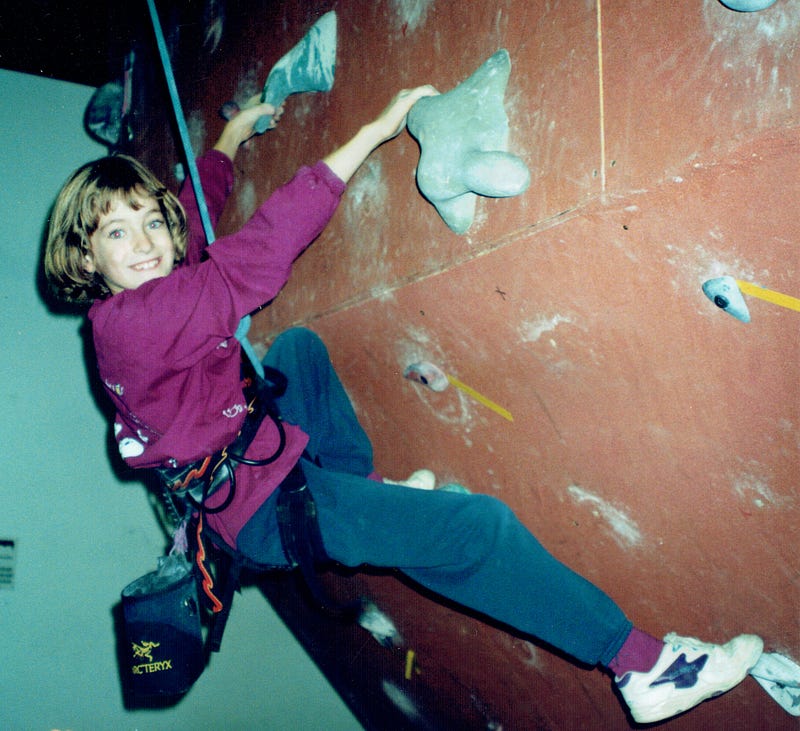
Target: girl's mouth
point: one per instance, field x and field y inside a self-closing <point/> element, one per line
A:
<point x="146" y="265"/>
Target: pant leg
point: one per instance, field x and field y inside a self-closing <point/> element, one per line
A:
<point x="316" y="401"/>
<point x="472" y="550"/>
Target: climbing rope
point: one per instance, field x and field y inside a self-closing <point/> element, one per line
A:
<point x="194" y="175"/>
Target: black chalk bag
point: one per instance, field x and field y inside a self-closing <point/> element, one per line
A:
<point x="163" y="646"/>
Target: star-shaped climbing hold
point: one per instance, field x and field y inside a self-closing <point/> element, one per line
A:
<point x="463" y="138"/>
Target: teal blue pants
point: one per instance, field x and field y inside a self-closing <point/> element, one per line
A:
<point x="470" y="549"/>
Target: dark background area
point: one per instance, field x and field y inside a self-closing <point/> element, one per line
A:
<point x="79" y="42"/>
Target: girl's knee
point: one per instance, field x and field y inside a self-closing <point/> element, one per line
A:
<point x="296" y="335"/>
<point x="295" y="340"/>
<point x="488" y="517"/>
<point x="493" y="509"/>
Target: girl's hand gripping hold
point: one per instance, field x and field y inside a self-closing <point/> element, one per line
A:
<point x="239" y="128"/>
<point x="388" y="124"/>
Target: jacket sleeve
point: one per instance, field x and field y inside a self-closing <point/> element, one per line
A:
<point x="216" y="178"/>
<point x="256" y="262"/>
<point x="182" y="318"/>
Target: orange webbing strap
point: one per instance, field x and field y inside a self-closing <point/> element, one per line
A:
<point x="230" y="580"/>
<point x="208" y="581"/>
<point x="194" y="473"/>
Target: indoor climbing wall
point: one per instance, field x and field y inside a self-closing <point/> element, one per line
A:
<point x="645" y="434"/>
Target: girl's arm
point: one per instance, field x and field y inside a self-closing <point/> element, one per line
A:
<point x="391" y="121"/>
<point x="240" y="128"/>
<point x="216" y="175"/>
<point x="348" y="158"/>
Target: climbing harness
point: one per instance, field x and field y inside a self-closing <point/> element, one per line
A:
<point x="186" y="489"/>
<point x="192" y="484"/>
<point x="302" y="541"/>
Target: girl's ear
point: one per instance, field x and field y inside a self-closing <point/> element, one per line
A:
<point x="88" y="264"/>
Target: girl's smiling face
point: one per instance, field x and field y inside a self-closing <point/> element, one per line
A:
<point x="131" y="245"/>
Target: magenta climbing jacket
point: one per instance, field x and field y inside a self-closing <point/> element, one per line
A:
<point x="166" y="352"/>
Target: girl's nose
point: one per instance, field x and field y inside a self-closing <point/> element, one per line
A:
<point x="143" y="242"/>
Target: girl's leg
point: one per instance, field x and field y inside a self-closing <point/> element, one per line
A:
<point x="316" y="401"/>
<point x="472" y="550"/>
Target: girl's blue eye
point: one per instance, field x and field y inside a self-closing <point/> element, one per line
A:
<point x="117" y="233"/>
<point x="156" y="223"/>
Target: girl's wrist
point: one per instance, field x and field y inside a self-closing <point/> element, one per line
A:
<point x="229" y="142"/>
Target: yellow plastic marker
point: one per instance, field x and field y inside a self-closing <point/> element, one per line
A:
<point x="480" y="398"/>
<point x="436" y="379"/>
<point x="409" y="664"/>
<point x="783" y="300"/>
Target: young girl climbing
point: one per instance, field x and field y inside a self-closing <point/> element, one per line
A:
<point x="164" y="312"/>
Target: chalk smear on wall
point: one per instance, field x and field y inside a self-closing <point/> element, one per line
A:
<point x="196" y="126"/>
<point x="745" y="34"/>
<point x="250" y="83"/>
<point x="548" y="351"/>
<point x="365" y="216"/>
<point x="246" y="200"/>
<point x="756" y="490"/>
<point x="302" y="107"/>
<point x="366" y="194"/>
<point x="530" y="331"/>
<point x="624" y="530"/>
<point x="400" y="700"/>
<point x="410" y="14"/>
<point x="752" y="49"/>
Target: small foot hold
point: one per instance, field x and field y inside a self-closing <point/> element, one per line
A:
<point x="421" y="480"/>
<point x="428" y="375"/>
<point x="724" y="292"/>
<point x="104" y="113"/>
<point x="780" y="677"/>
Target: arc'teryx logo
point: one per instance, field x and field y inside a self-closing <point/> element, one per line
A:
<point x="144" y="650"/>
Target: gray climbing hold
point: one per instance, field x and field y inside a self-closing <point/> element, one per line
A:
<point x="103" y="116"/>
<point x="780" y="677"/>
<point x="309" y="66"/>
<point x="463" y="138"/>
<point x="747" y="6"/>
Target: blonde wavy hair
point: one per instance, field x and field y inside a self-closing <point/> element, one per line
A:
<point x="88" y="195"/>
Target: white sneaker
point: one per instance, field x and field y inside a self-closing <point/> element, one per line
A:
<point x="421" y="480"/>
<point x="687" y="673"/>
